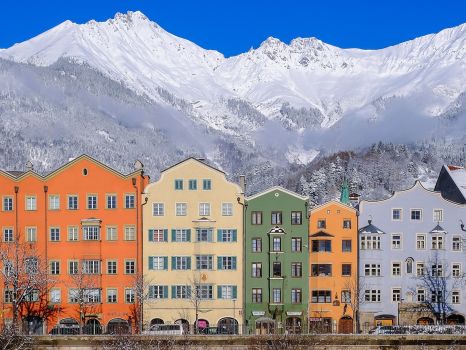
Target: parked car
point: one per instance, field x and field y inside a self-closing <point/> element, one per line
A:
<point x="166" y="329"/>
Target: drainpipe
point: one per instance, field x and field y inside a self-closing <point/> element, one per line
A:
<point x="15" y="305"/>
<point x="46" y="189"/>
<point x="245" y="209"/>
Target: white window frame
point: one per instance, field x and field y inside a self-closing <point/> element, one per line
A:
<point x="400" y="246"/>
<point x="227" y="209"/>
<point x="411" y="214"/>
<point x="54" y="202"/>
<point x="31" y="203"/>
<point x="181" y="209"/>
<point x="441" y="215"/>
<point x="204" y="209"/>
<point x="424" y="241"/>
<point x="401" y="214"/>
<point x="158" y="209"/>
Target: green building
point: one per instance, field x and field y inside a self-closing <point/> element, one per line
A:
<point x="276" y="262"/>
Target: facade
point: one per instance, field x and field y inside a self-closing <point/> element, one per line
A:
<point x="333" y="258"/>
<point x="83" y="221"/>
<point x="193" y="227"/>
<point x="276" y="262"/>
<point x="414" y="233"/>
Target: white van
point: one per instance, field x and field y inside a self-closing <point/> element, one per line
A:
<point x="166" y="329"/>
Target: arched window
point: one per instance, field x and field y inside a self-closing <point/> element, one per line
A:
<point x="409" y="265"/>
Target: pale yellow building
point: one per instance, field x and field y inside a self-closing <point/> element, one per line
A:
<point x="193" y="249"/>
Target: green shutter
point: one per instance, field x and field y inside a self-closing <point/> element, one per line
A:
<point x="219" y="235"/>
<point x="209" y="236"/>
<point x="233" y="262"/>
<point x="151" y="262"/>
<point x="173" y="262"/>
<point x="151" y="235"/>
<point x="188" y="235"/>
<point x="165" y="292"/>
<point x="188" y="263"/>
<point x="219" y="263"/>
<point x="188" y="291"/>
<point x="235" y="292"/>
<point x="235" y="235"/>
<point x="165" y="262"/>
<point x="165" y="235"/>
<point x="219" y="292"/>
<point x="173" y="292"/>
<point x="173" y="235"/>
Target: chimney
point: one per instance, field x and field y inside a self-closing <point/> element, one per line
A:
<point x="242" y="183"/>
<point x="29" y="166"/>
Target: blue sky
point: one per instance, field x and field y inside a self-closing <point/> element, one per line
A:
<point x="234" y="26"/>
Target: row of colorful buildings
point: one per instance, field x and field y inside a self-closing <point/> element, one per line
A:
<point x="196" y="251"/>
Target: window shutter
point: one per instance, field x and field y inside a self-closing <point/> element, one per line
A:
<point x="188" y="291"/>
<point x="173" y="263"/>
<point x="165" y="235"/>
<point x="209" y="236"/>
<point x="165" y="292"/>
<point x="173" y="292"/>
<point x="188" y="235"/>
<point x="151" y="262"/>
<point x="165" y="262"/>
<point x="219" y="292"/>
<point x="219" y="263"/>
<point x="188" y="263"/>
<point x="235" y="235"/>
<point x="173" y="235"/>
<point x="151" y="235"/>
<point x="233" y="262"/>
<point x="235" y="292"/>
<point x="219" y="235"/>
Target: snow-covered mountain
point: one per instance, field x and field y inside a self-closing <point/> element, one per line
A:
<point x="282" y="104"/>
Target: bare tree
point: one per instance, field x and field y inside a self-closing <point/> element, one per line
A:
<point x="439" y="281"/>
<point x="11" y="339"/>
<point x="26" y="280"/>
<point x="141" y="296"/>
<point x="196" y="297"/>
<point x="355" y="299"/>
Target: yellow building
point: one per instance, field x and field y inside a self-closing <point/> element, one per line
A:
<point x="193" y="249"/>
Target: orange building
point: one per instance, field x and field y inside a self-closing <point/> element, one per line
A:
<point x="84" y="222"/>
<point x="333" y="258"/>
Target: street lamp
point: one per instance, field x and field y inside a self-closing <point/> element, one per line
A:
<point x="234" y="316"/>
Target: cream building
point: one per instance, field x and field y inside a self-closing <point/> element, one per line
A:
<point x="193" y="248"/>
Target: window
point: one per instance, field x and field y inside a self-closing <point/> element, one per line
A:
<point x="112" y="234"/>
<point x="421" y="295"/>
<point x="296" y="296"/>
<point x="181" y="209"/>
<point x="396" y="241"/>
<point x="31" y="266"/>
<point x="277" y="269"/>
<point x="438" y="215"/>
<point x="129" y="296"/>
<point x="420" y="242"/>
<point x="370" y="243"/>
<point x="296" y="218"/>
<point x="346" y="296"/>
<point x="55" y="267"/>
<point x="256" y="270"/>
<point x="72" y="233"/>
<point x="296" y="269"/>
<point x="257" y="245"/>
<point x="130" y="267"/>
<point x="8" y="203"/>
<point x="178" y="184"/>
<point x="206" y="184"/>
<point x="416" y="214"/>
<point x="226" y="263"/>
<point x="73" y="267"/>
<point x="437" y="242"/>
<point x="92" y="202"/>
<point x="321" y="296"/>
<point x="111" y="267"/>
<point x="91" y="233"/>
<point x="111" y="202"/>
<point x="181" y="263"/>
<point x="204" y="291"/>
<point x="129" y="201"/>
<point x="31" y="295"/>
<point x="158" y="262"/>
<point x="8" y="296"/>
<point x="346" y="246"/>
<point x="396" y="269"/>
<point x="456" y="244"/>
<point x="455" y="297"/>
<point x="55" y="296"/>
<point x="204" y="209"/>
<point x="8" y="235"/>
<point x="372" y="270"/>
<point x="276" y="295"/>
<point x="437" y="270"/>
<point x="204" y="262"/>
<point x="111" y="295"/>
<point x="54" y="234"/>
<point x="31" y="203"/>
<point x="227" y="235"/>
<point x="372" y="295"/>
<point x="256" y="218"/>
<point x="409" y="265"/>
<point x="31" y="234"/>
<point x="227" y="292"/>
<point x="181" y="235"/>
<point x="158" y="292"/>
<point x="158" y="209"/>
<point x="321" y="246"/>
<point x="296" y="244"/>
<point x="456" y="270"/>
<point x="396" y="214"/>
<point x="436" y="296"/>
<point x="396" y="294"/>
<point x="158" y="235"/>
<point x="420" y="269"/>
<point x="227" y="209"/>
<point x="257" y="295"/>
<point x="54" y="202"/>
<point x="91" y="267"/>
<point x="347" y="224"/>
<point x="181" y="292"/>
<point x="192" y="184"/>
<point x="91" y="295"/>
<point x="321" y="270"/>
<point x="73" y="202"/>
<point x="346" y="269"/>
<point x="276" y="218"/>
<point x="277" y="244"/>
<point x="73" y="296"/>
<point x="204" y="235"/>
<point x="321" y="223"/>
<point x="130" y="233"/>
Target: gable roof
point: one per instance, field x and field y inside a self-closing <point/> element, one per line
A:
<point x="345" y="206"/>
<point x="370" y="228"/>
<point x="195" y="160"/>
<point x="457" y="175"/>
<point x="438" y="229"/>
<point x="277" y="188"/>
